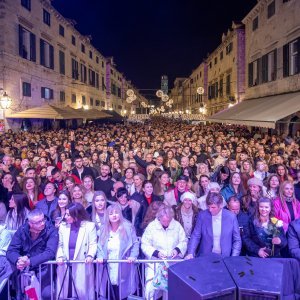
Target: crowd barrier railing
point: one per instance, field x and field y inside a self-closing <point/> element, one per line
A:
<point x="139" y="264"/>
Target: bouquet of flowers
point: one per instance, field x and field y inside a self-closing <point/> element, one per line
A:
<point x="274" y="229"/>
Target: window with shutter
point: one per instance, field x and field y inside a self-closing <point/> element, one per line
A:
<point x="46" y="54"/>
<point x="27" y="44"/>
<point x="62" y="62"/>
<point x="26" y="89"/>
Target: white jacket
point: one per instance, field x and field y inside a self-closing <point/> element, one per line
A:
<point x="156" y="237"/>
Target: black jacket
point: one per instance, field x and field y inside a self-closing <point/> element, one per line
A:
<point x="253" y="243"/>
<point x="86" y="171"/>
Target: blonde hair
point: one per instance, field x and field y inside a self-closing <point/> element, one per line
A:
<point x="106" y="228"/>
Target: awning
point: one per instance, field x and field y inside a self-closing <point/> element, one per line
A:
<point x="47" y="112"/>
<point x="260" y="112"/>
<point x="93" y="114"/>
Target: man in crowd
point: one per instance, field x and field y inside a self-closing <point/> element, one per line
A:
<point x="33" y="244"/>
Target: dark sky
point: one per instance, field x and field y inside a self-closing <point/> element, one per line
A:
<point x="149" y="38"/>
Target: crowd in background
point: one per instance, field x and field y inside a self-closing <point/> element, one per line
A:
<point x="161" y="190"/>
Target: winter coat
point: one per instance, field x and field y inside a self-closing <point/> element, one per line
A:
<point x="163" y="240"/>
<point x="129" y="247"/>
<point x="253" y="242"/>
<point x="282" y="212"/>
<point x="83" y="274"/>
<point x="39" y="251"/>
<point x="229" y="191"/>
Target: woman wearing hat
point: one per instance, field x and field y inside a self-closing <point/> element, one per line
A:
<point x="254" y="193"/>
<point x="186" y="212"/>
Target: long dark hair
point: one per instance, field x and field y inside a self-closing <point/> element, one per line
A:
<point x="78" y="212"/>
<point x="21" y="201"/>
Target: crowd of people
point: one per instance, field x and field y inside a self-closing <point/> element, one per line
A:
<point x="160" y="190"/>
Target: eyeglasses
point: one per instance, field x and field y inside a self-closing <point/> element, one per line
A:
<point x="38" y="222"/>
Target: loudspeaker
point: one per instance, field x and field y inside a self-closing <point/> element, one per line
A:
<point x="201" y="278"/>
<point x="256" y="278"/>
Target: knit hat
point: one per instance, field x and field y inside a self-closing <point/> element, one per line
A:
<point x="255" y="181"/>
<point x="188" y="195"/>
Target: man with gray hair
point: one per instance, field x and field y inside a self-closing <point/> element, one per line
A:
<point x="34" y="243"/>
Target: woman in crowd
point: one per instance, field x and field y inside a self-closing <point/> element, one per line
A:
<point x="186" y="212"/>
<point x="188" y="171"/>
<point x="222" y="176"/>
<point x="151" y="213"/>
<point x="88" y="187"/>
<point x="168" y="158"/>
<point x="193" y="166"/>
<point x="163" y="228"/>
<point x="272" y="187"/>
<point x="283" y="174"/>
<point x="161" y="184"/>
<point x="62" y="157"/>
<point x="254" y="193"/>
<point x="173" y="170"/>
<point x="77" y="241"/>
<point x="117" y="240"/>
<point x="202" y="170"/>
<point x="149" y="170"/>
<point x="43" y="177"/>
<point x="148" y="194"/>
<point x="77" y="195"/>
<point x="262" y="237"/>
<point x="234" y="188"/>
<point x="63" y="201"/>
<point x="201" y="186"/>
<point x="67" y="167"/>
<point x="128" y="180"/>
<point x="18" y="211"/>
<point x="95" y="162"/>
<point x="69" y="183"/>
<point x="286" y="206"/>
<point x="31" y="189"/>
<point x="213" y="187"/>
<point x="131" y="210"/>
<point x="116" y="170"/>
<point x="97" y="210"/>
<point x="246" y="167"/>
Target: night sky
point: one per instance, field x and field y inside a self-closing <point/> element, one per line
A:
<point x="149" y="38"/>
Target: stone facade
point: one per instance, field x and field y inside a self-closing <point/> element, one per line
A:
<point x="226" y="71"/>
<point x="221" y="74"/>
<point x="44" y="59"/>
<point x="273" y="52"/>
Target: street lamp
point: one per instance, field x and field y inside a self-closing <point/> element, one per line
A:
<point x="5" y="100"/>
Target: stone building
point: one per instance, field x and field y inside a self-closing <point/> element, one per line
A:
<point x="272" y="93"/>
<point x="44" y="59"/>
<point x="226" y="71"/>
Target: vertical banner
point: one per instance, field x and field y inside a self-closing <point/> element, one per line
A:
<point x="2" y="126"/>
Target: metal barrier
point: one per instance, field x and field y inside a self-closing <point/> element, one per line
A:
<point x="140" y="264"/>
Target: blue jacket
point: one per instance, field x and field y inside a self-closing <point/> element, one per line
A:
<point x="228" y="191"/>
<point x="202" y="234"/>
<point x="39" y="251"/>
